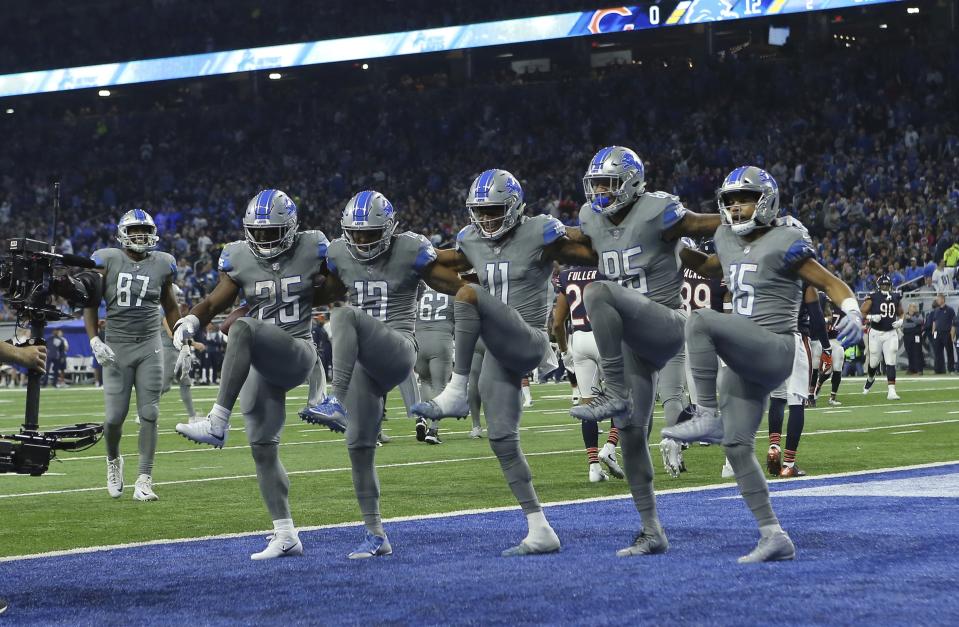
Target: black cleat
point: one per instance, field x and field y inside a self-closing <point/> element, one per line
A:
<point x="433" y="436"/>
<point x="421" y="429"/>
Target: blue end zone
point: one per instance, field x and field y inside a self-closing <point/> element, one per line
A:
<point x="864" y="558"/>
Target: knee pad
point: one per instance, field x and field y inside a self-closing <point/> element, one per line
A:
<point x="264" y="453"/>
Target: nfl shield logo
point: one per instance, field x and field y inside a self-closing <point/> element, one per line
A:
<point x="746" y="250"/>
<point x="616" y="233"/>
<point x="276" y="267"/>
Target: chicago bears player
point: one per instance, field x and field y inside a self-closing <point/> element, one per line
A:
<point x="636" y="314"/>
<point x="513" y="256"/>
<point x="373" y="337"/>
<point x="434" y="355"/>
<point x="884" y="312"/>
<point x="764" y="259"/>
<point x="794" y="391"/>
<point x="830" y="360"/>
<point x="582" y="357"/>
<point x="270" y="350"/>
<point x="138" y="284"/>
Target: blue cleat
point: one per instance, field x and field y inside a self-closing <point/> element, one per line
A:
<point x="372" y="546"/>
<point x="329" y="413"/>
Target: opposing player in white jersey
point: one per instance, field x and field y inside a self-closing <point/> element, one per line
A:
<point x="884" y="312"/>
<point x="764" y="259"/>
<point x="636" y="314"/>
<point x="138" y="284"/>
<point x="513" y="256"/>
<point x="379" y="271"/>
<point x="269" y="351"/>
<point x="581" y="356"/>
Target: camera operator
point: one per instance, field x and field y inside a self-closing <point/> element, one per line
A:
<point x="30" y="357"/>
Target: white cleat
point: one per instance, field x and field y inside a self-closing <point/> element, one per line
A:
<point x="728" y="472"/>
<point x="449" y="404"/>
<point x="543" y="541"/>
<point x="706" y="425"/>
<point x="115" y="477"/>
<point x="476" y="433"/>
<point x="607" y="455"/>
<point x="280" y="547"/>
<point x="672" y="452"/>
<point x="774" y="548"/>
<point x="891" y="394"/>
<point x="192" y="419"/>
<point x="596" y="474"/>
<point x="212" y="431"/>
<point x="143" y="489"/>
<point x="834" y="403"/>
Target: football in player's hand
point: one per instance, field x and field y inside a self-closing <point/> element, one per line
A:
<point x="239" y="312"/>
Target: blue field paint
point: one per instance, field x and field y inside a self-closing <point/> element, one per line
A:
<point x="880" y="560"/>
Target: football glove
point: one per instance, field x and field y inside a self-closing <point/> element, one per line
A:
<point x="184" y="362"/>
<point x="825" y="362"/>
<point x="103" y="353"/>
<point x="897" y="323"/>
<point x="184" y="329"/>
<point x="567" y="359"/>
<point x="849" y="328"/>
<point x="874" y="317"/>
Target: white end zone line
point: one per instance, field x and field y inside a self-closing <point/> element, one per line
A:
<point x="463" y="512"/>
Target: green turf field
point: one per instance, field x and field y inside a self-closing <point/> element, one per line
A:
<point x="204" y="491"/>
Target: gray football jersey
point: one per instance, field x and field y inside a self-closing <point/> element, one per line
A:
<point x="633" y="253"/>
<point x="132" y="291"/>
<point x="385" y="287"/>
<point x="435" y="311"/>
<point x="278" y="290"/>
<point x="761" y="274"/>
<point x="512" y="268"/>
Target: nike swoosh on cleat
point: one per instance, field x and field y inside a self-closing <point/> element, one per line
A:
<point x="287" y="549"/>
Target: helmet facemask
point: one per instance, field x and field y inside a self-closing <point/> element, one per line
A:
<point x="138" y="238"/>
<point x="492" y="219"/>
<point x="366" y="243"/>
<point x="269" y="240"/>
<point x="608" y="194"/>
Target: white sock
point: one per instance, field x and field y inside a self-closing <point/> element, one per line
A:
<point x="527" y="396"/>
<point x="458" y="383"/>
<point x="284" y="528"/>
<point x="537" y="522"/>
<point x="770" y="530"/>
<point x="892" y="387"/>
<point x="221" y="413"/>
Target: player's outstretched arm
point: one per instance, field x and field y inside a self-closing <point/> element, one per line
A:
<point x="453" y="259"/>
<point x="850" y="327"/>
<point x="216" y="302"/>
<point x="171" y="310"/>
<point x="560" y="314"/>
<point x="575" y="248"/>
<point x="442" y="278"/>
<point x="701" y="263"/>
<point x="693" y="225"/>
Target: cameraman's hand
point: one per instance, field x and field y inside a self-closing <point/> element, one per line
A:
<point x="32" y="357"/>
<point x="104" y="354"/>
<point x="184" y="329"/>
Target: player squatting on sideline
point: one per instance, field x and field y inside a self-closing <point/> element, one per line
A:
<point x="513" y="257"/>
<point x="138" y="282"/>
<point x="764" y="258"/>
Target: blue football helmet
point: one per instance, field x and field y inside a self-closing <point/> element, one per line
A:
<point x="758" y="182"/>
<point x="270" y="223"/>
<point x="615" y="179"/>
<point x="136" y="231"/>
<point x="495" y="203"/>
<point x="368" y="221"/>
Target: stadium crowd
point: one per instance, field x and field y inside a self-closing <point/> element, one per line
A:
<point x="865" y="148"/>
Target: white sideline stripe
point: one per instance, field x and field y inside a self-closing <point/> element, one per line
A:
<point x="462" y="512"/>
<point x="904" y="432"/>
<point x="900" y="411"/>
<point x="830" y="412"/>
<point x="425" y="462"/>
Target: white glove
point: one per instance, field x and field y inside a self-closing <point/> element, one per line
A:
<point x="688" y="242"/>
<point x="567" y="356"/>
<point x="849" y="328"/>
<point x="184" y="329"/>
<point x="874" y="317"/>
<point x="103" y="353"/>
<point x="184" y="362"/>
<point x="897" y="323"/>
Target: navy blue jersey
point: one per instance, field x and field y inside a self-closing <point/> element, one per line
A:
<point x="804" y="314"/>
<point x="885" y="304"/>
<point x="699" y="292"/>
<point x="832" y="314"/>
<point x="573" y="283"/>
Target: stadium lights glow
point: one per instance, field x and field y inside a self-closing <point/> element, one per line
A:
<point x="912" y="10"/>
<point x="275" y="76"/>
<point x="442" y="39"/>
<point x="365" y="66"/>
<point x="9" y="111"/>
<point x="104" y="93"/>
<point x="884" y="26"/>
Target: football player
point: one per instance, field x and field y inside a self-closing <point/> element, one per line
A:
<point x="794" y="390"/>
<point x="764" y="259"/>
<point x="473" y="393"/>
<point x="884" y="312"/>
<point x="171" y="374"/>
<point x="830" y="359"/>
<point x="270" y="350"/>
<point x="434" y="355"/>
<point x="513" y="256"/>
<point x="581" y="356"/>
<point x="373" y="337"/>
<point x="138" y="283"/>
<point x="636" y="314"/>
